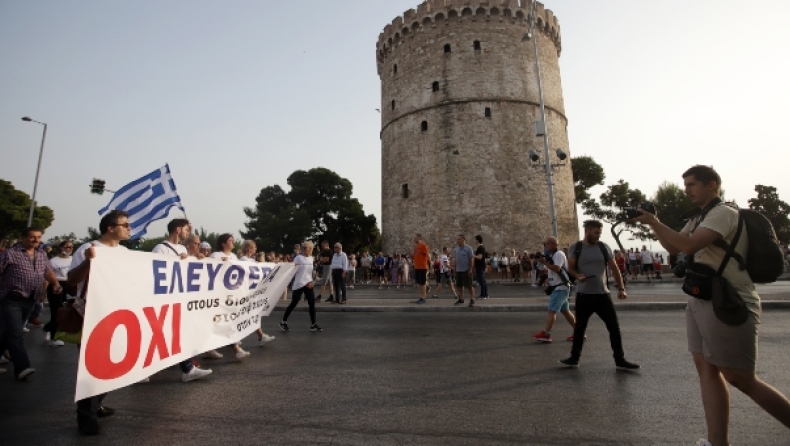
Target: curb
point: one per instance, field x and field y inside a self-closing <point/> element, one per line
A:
<point x="630" y="306"/>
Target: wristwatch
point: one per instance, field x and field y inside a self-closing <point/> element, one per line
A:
<point x="621" y="289"/>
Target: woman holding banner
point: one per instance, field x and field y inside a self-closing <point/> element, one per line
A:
<point x="303" y="284"/>
<point x="247" y="254"/>
<point x="224" y="252"/>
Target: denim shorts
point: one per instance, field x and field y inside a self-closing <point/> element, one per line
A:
<point x="558" y="301"/>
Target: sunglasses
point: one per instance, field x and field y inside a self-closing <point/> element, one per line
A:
<point x="123" y="225"/>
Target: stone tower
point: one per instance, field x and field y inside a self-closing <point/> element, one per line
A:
<point x="459" y="101"/>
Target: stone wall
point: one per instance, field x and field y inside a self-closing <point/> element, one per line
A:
<point x="458" y="122"/>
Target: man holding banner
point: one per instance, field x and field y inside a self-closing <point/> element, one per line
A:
<point x="114" y="227"/>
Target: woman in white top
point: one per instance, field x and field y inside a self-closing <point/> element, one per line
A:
<point x="514" y="266"/>
<point x="503" y="265"/>
<point x="224" y="252"/>
<point x="61" y="266"/>
<point x="351" y="272"/>
<point x="303" y="284"/>
<point x="247" y="251"/>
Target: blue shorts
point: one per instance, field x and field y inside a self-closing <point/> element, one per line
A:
<point x="558" y="301"/>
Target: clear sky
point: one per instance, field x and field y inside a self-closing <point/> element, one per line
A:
<point x="236" y="95"/>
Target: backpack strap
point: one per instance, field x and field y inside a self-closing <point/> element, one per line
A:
<point x="730" y="249"/>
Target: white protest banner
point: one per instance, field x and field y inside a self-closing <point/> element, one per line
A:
<point x="146" y="312"/>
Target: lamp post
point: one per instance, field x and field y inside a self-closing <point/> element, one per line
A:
<point x="542" y="127"/>
<point x="38" y="169"/>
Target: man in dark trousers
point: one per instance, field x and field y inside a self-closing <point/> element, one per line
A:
<point x="587" y="262"/>
<point x="480" y="266"/>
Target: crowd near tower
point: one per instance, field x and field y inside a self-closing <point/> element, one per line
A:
<point x="459" y="95"/>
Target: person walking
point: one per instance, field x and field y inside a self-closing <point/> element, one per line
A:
<point x="325" y="262"/>
<point x="444" y="274"/>
<point x="224" y="252"/>
<point x="587" y="263"/>
<point x="303" y="286"/>
<point x="559" y="283"/>
<point x="23" y="269"/>
<point x="60" y="265"/>
<point x="420" y="256"/>
<point x="480" y="267"/>
<point x="463" y="257"/>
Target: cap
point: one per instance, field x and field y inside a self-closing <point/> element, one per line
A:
<point x="205" y="245"/>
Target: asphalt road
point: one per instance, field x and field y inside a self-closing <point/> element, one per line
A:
<point x="410" y="378"/>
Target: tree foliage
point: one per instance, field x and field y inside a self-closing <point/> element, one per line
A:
<point x="586" y="174"/>
<point x="618" y="196"/>
<point x="671" y="203"/>
<point x="317" y="207"/>
<point x="15" y="209"/>
<point x="776" y="210"/>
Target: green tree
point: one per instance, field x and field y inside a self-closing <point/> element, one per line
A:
<point x="319" y="206"/>
<point x="617" y="197"/>
<point x="776" y="210"/>
<point x="671" y="203"/>
<point x="586" y="174"/>
<point x="15" y="209"/>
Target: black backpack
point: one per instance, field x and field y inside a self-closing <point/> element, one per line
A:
<point x="577" y="252"/>
<point x="764" y="259"/>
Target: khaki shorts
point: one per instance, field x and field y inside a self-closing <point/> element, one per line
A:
<point x="722" y="345"/>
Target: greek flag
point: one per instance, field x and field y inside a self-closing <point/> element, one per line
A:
<point x="146" y="200"/>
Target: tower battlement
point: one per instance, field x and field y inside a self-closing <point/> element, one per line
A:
<point x="446" y="12"/>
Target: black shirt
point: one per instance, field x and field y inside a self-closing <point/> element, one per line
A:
<point x="481" y="262"/>
<point x="328" y="254"/>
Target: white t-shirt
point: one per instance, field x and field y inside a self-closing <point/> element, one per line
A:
<point x="504" y="260"/>
<point x="647" y="257"/>
<point x="76" y="260"/>
<point x="352" y="265"/>
<point x="165" y="248"/>
<point x="304" y="271"/>
<point x="246" y="259"/>
<point x="631" y="255"/>
<point x="219" y="255"/>
<point x="560" y="260"/>
<point x="61" y="267"/>
<point x="445" y="264"/>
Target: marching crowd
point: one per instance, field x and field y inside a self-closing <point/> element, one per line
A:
<point x="722" y="351"/>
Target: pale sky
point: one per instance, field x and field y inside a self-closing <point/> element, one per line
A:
<point x="237" y="95"/>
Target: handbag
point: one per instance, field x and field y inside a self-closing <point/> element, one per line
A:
<point x="70" y="321"/>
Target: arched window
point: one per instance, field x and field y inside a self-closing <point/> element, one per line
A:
<point x="488" y="112"/>
<point x="436" y="86"/>
<point x="447" y="49"/>
<point x="424" y="126"/>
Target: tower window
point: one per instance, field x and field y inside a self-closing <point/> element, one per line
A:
<point x="395" y="69"/>
<point x="488" y="112"/>
<point x="436" y="86"/>
<point x="424" y="126"/>
<point x="404" y="190"/>
<point x="447" y="49"/>
<point x="393" y="104"/>
<point x="477" y="45"/>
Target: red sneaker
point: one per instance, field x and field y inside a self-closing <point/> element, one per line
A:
<point x="35" y="322"/>
<point x="542" y="337"/>
<point x="570" y="338"/>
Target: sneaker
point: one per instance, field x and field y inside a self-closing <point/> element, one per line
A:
<point x="213" y="354"/>
<point x="105" y="412"/>
<point x="459" y="301"/>
<point x="351" y="287"/>
<point x="435" y="296"/>
<point x="627" y="366"/>
<point x="25" y="373"/>
<point x="330" y="300"/>
<point x="144" y="381"/>
<point x="284" y="326"/>
<point x="471" y="303"/>
<point x="242" y="354"/>
<point x="542" y="337"/>
<point x="342" y="302"/>
<point x="318" y="299"/>
<point x="703" y="442"/>
<point x="570" y="362"/>
<point x="35" y="322"/>
<point x="25" y="330"/>
<point x="56" y="343"/>
<point x="570" y="338"/>
<point x="47" y="337"/>
<point x="420" y="301"/>
<point x="194" y="374"/>
<point x="315" y="327"/>
<point x="265" y="339"/>
<point x="379" y="286"/>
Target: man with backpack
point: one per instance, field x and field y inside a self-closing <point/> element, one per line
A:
<point x="588" y="263"/>
<point x="558" y="290"/>
<point x="724" y="350"/>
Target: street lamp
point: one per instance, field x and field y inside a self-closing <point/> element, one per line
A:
<point x="38" y="169"/>
<point x="541" y="127"/>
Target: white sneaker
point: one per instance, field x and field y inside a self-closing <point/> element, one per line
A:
<point x="56" y="343"/>
<point x="194" y="374"/>
<point x="46" y="337"/>
<point x="143" y="381"/>
<point x="266" y="339"/>
<point x="25" y="373"/>
<point x="242" y="355"/>
<point x="703" y="442"/>
<point x="213" y="354"/>
<point x="25" y="330"/>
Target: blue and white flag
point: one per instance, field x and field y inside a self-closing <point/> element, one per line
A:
<point x="146" y="200"/>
